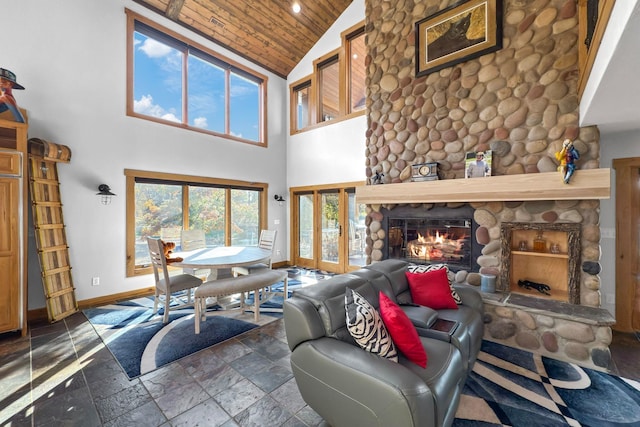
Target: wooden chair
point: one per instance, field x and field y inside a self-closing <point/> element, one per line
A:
<point x="267" y="241"/>
<point x="171" y="234"/>
<point x="191" y="240"/>
<point x="166" y="284"/>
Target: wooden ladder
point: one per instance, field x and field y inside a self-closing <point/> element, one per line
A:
<point x="48" y="222"/>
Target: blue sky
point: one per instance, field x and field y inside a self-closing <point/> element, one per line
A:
<point x="158" y="90"/>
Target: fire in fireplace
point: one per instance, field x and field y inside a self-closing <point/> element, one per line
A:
<point x="437" y="243"/>
<point x="432" y="236"/>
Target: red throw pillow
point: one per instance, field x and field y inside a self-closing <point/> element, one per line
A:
<point x="431" y="289"/>
<point x="402" y="331"/>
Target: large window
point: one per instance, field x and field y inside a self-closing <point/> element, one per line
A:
<point x="161" y="205"/>
<point x="174" y="81"/>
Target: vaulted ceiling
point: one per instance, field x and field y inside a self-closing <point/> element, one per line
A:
<point x="266" y="32"/>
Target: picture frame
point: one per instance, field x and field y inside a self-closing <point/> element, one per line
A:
<point x="473" y="169"/>
<point x="457" y="34"/>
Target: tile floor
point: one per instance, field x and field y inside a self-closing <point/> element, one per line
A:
<point x="62" y="375"/>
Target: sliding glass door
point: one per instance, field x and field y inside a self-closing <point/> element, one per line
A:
<point x="304" y="242"/>
<point x="329" y="230"/>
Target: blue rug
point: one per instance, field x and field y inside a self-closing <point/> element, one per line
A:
<point x="511" y="387"/>
<point x="141" y="343"/>
<point x="298" y="277"/>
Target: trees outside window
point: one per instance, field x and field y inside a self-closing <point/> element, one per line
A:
<point x="229" y="213"/>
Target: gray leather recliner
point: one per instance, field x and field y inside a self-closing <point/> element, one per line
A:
<point x="349" y="386"/>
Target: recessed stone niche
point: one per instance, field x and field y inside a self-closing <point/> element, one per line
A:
<point x="549" y="271"/>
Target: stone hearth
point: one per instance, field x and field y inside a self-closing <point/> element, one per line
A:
<point x="578" y="333"/>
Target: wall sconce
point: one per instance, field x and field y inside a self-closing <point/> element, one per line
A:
<point x="279" y="199"/>
<point x="105" y="194"/>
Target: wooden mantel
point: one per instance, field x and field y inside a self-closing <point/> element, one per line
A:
<point x="585" y="184"/>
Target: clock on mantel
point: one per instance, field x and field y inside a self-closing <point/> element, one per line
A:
<point x="424" y="172"/>
<point x="586" y="184"/>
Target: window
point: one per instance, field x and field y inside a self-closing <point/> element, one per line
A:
<point x="301" y="105"/>
<point x="336" y="89"/>
<point x="161" y="205"/>
<point x="356" y="71"/>
<point x="328" y="72"/>
<point x="174" y="81"/>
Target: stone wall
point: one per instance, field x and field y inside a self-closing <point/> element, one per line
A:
<point x="520" y="102"/>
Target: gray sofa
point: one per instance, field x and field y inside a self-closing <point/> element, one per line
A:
<point x="349" y="386"/>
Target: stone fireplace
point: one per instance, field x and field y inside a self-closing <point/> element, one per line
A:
<point x="569" y="326"/>
<point x="520" y="102"/>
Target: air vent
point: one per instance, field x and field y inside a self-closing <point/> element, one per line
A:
<point x="216" y="22"/>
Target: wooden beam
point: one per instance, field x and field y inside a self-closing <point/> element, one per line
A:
<point x="173" y="9"/>
<point x="585" y="184"/>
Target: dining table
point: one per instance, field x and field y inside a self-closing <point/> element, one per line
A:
<point x="221" y="257"/>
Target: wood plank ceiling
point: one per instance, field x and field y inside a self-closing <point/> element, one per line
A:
<point x="266" y="32"/>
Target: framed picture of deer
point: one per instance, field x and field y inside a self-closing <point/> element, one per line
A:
<point x="459" y="33"/>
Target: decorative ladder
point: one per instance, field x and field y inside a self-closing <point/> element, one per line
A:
<point x="51" y="239"/>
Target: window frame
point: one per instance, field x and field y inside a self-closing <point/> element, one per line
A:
<point x="295" y="87"/>
<point x="177" y="40"/>
<point x="347" y="37"/>
<point x="186" y="180"/>
<point x="319" y="65"/>
<point x="315" y="90"/>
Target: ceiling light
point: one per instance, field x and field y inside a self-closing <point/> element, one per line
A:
<point x="296" y="7"/>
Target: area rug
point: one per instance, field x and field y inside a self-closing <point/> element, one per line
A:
<point x="141" y="343"/>
<point x="511" y="387"/>
<point x="298" y="278"/>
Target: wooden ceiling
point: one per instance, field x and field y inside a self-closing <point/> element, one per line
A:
<point x="266" y="32"/>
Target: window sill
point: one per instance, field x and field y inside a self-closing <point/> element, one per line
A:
<point x="329" y="122"/>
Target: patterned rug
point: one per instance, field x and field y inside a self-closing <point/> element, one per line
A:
<point x="511" y="387"/>
<point x="141" y="343"/>
<point x="298" y="278"/>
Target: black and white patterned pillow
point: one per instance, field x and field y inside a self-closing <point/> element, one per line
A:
<point x="366" y="326"/>
<point x="420" y="268"/>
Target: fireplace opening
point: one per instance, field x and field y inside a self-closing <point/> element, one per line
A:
<point x="432" y="236"/>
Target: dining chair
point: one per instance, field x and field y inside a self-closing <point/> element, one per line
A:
<point x="266" y="241"/>
<point x="166" y="284"/>
<point x="192" y="240"/>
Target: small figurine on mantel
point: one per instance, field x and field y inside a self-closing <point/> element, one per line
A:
<point x="377" y="178"/>
<point x="567" y="158"/>
<point x="8" y="82"/>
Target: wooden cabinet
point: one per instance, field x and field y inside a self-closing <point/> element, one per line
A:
<point x="555" y="263"/>
<point x="13" y="208"/>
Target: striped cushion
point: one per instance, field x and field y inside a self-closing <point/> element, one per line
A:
<point x="366" y="326"/>
<point x="421" y="268"/>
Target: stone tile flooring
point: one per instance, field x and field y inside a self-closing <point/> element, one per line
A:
<point x="62" y="375"/>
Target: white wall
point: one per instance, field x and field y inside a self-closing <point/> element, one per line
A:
<point x="609" y="101"/>
<point x="612" y="146"/>
<point x="71" y="57"/>
<point x="333" y="153"/>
